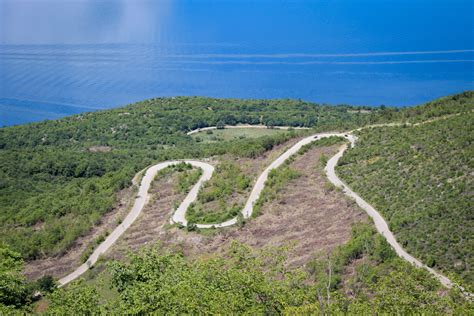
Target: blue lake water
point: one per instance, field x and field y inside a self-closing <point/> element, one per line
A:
<point x="60" y="57"/>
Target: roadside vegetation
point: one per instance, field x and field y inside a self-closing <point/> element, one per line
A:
<point x="218" y="200"/>
<point x="157" y="280"/>
<point x="90" y="248"/>
<point x="53" y="188"/>
<point x="420" y="179"/>
<point x="323" y="142"/>
<point x="278" y="178"/>
<point x="276" y="181"/>
<point x="187" y="176"/>
<point x="186" y="179"/>
<point x="58" y="178"/>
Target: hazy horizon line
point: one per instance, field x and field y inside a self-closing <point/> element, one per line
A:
<point x="302" y="55"/>
<point x="245" y="62"/>
<point x="317" y="55"/>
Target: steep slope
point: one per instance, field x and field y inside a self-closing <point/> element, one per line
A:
<point x="381" y="282"/>
<point x="244" y="280"/>
<point x="58" y="178"/>
<point x="420" y="178"/>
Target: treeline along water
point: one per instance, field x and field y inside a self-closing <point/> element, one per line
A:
<point x="59" y="58"/>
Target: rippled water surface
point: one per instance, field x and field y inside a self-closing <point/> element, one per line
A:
<point x="64" y="57"/>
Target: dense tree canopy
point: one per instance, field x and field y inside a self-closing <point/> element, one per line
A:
<point x="14" y="292"/>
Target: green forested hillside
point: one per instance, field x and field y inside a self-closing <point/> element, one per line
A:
<point x="449" y="105"/>
<point x="57" y="178"/>
<point x="421" y="179"/>
<point x="244" y="281"/>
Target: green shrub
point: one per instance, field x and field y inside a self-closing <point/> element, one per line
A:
<point x="419" y="178"/>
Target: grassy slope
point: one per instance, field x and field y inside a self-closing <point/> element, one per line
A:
<point x="420" y="178"/>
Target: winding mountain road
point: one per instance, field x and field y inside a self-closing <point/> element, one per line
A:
<point x="140" y="201"/>
<point x="179" y="216"/>
<point x="379" y="221"/>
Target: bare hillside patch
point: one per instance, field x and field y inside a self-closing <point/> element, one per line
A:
<point x="307" y="213"/>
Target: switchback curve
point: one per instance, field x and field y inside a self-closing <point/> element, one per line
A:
<point x="180" y="218"/>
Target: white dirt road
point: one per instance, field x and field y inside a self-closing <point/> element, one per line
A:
<point x="179" y="216"/>
<point x="140" y="201"/>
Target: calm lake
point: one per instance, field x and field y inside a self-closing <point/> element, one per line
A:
<point x="64" y="57"/>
